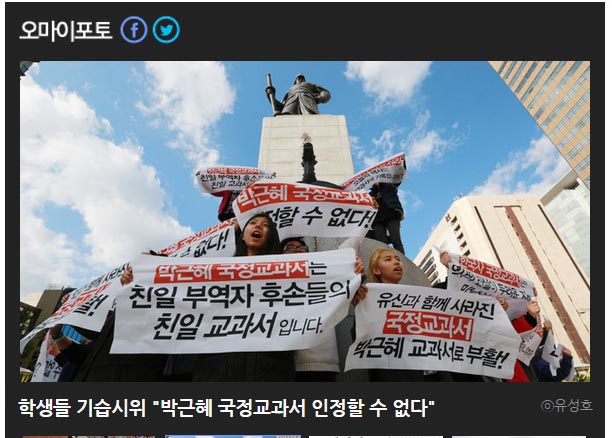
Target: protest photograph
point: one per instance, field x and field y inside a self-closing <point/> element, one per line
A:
<point x="304" y="221"/>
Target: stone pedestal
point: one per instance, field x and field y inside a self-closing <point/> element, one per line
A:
<point x="281" y="148"/>
<point x="282" y="138"/>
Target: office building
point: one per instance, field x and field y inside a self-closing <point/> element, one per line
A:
<point x="515" y="233"/>
<point x="557" y="95"/>
<point x="28" y="315"/>
<point x="568" y="205"/>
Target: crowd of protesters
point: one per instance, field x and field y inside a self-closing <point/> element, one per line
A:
<point x="92" y="360"/>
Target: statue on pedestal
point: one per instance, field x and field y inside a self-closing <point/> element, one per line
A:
<point x="302" y="98"/>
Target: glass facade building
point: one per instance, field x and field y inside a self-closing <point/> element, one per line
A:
<point x="557" y="95"/>
<point x="568" y="206"/>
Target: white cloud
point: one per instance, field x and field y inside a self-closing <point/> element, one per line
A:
<point x="535" y="171"/>
<point x="45" y="256"/>
<point x="501" y="180"/>
<point x="67" y="161"/>
<point x="190" y="97"/>
<point x="421" y="145"/>
<point x="358" y="150"/>
<point x="384" y="147"/>
<point x="392" y="83"/>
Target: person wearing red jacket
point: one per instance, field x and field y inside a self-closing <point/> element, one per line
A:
<point x="524" y="324"/>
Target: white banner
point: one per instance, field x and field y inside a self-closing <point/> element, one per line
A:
<point x="530" y="341"/>
<point x="420" y="328"/>
<point x="262" y="303"/>
<point x="222" y="178"/>
<point x="392" y="170"/>
<point x="86" y="307"/>
<point x="306" y="210"/>
<point x="470" y="275"/>
<point x="552" y="353"/>
<point x="46" y="368"/>
<point x="216" y="241"/>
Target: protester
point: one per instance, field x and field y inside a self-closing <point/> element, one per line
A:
<point x="445" y="259"/>
<point x="259" y="237"/>
<point x="102" y="366"/>
<point x="525" y="323"/>
<point x="390" y="212"/>
<point x="546" y="329"/>
<point x="522" y="324"/>
<point x="543" y="372"/>
<point x="452" y="376"/>
<point x="319" y="363"/>
<point x="386" y="266"/>
<point x="71" y="355"/>
<point x="541" y="367"/>
<point x="226" y="210"/>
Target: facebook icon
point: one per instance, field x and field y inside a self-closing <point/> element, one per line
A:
<point x="136" y="29"/>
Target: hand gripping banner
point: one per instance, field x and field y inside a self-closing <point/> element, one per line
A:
<point x="392" y="170"/>
<point x="235" y="178"/>
<point x="470" y="275"/>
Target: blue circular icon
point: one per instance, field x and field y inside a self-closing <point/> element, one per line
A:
<point x="167" y="31"/>
<point x="136" y="32"/>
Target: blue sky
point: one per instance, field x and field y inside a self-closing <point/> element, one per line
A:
<point x="108" y="150"/>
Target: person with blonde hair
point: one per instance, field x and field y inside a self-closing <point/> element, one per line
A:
<point x="386" y="266"/>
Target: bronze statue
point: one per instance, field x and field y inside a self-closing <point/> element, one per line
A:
<point x="302" y="98"/>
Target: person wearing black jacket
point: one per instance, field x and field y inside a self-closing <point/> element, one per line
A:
<point x="389" y="215"/>
<point x="541" y="367"/>
<point x="71" y="355"/>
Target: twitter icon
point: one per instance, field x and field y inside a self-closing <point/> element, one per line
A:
<point x="166" y="29"/>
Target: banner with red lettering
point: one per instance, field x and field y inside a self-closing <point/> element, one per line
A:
<point x="261" y="303"/>
<point x="86" y="307"/>
<point x="216" y="241"/>
<point x="470" y="275"/>
<point x="221" y="178"/>
<point x="421" y="328"/>
<point x="306" y="210"/>
<point x="392" y="170"/>
<point x="46" y="368"/>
